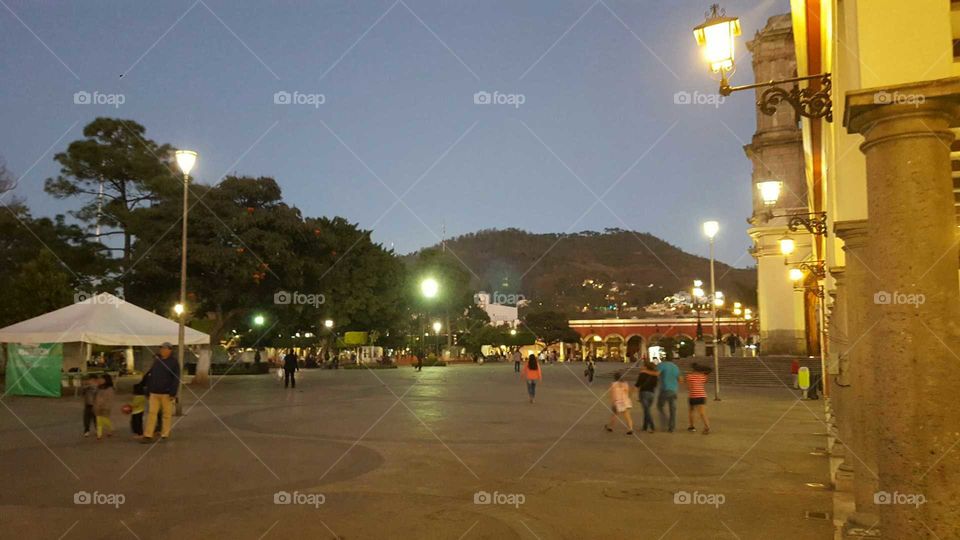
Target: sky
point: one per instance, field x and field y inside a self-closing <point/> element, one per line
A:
<point x="408" y="117"/>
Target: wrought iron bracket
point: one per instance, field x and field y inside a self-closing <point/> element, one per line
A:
<point x="813" y="101"/>
<point x="815" y="223"/>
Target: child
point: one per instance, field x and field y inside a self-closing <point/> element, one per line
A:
<point x="102" y="404"/>
<point x="137" y="406"/>
<point x="620" y="403"/>
<point x="696" y="382"/>
<point x="89" y="393"/>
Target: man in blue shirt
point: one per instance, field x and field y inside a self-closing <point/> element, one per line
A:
<point x="669" y="379"/>
<point x="162" y="381"/>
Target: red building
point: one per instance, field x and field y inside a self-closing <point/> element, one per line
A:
<point x="621" y="338"/>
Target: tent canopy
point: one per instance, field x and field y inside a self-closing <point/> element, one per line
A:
<point x="101" y="320"/>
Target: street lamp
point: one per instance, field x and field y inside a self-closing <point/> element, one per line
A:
<point x="436" y="331"/>
<point x="787" y="246"/>
<point x="259" y="320"/>
<point x="429" y="287"/>
<point x="716" y="36"/>
<point x="186" y="159"/>
<point x="770" y="191"/>
<point x="328" y="324"/>
<point x="178" y="309"/>
<point x="711" y="228"/>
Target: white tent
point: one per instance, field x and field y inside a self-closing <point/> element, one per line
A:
<point x="101" y="320"/>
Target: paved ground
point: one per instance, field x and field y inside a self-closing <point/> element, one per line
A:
<point x="411" y="468"/>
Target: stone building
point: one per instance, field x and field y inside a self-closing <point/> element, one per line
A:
<point x="883" y="172"/>
<point x="776" y="153"/>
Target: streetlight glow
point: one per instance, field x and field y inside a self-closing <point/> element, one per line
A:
<point x="795" y="274"/>
<point x="328" y="324"/>
<point x="429" y="287"/>
<point x="711" y="228"/>
<point x="437" y="326"/>
<point x="697" y="292"/>
<point x="186" y="159"/>
<point x="716" y="37"/>
<point x="770" y="191"/>
<point x="259" y="320"/>
<point x="178" y="309"/>
<point x="787" y="245"/>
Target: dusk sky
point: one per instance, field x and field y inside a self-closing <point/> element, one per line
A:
<point x="589" y="90"/>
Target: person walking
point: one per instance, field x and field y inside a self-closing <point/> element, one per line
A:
<point x="591" y="369"/>
<point x="290" y="367"/>
<point x="517" y="360"/>
<point x="647" y="386"/>
<point x="696" y="382"/>
<point x="532" y="373"/>
<point x="103" y="405"/>
<point x="163" y="381"/>
<point x="419" y="366"/>
<point x="620" y="403"/>
<point x="90" y="384"/>
<point x="669" y="378"/>
<point x="795" y="374"/>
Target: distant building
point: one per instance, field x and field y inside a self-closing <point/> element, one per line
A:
<point x="500" y="314"/>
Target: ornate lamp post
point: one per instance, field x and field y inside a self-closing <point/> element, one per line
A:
<point x="717" y="35"/>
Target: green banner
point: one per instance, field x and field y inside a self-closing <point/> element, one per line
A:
<point x="34" y="370"/>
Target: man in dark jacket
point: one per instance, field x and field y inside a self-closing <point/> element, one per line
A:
<point x="163" y="381"/>
<point x="290" y="366"/>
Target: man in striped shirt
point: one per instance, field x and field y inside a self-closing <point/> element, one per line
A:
<point x="696" y="382"/>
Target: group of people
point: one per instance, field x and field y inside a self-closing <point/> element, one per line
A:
<point x="154" y="396"/>
<point x="661" y="382"/>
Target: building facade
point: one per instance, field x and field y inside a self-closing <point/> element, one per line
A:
<point x="884" y="173"/>
<point x="776" y="153"/>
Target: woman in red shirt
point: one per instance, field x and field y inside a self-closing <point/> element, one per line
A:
<point x="696" y="382"/>
<point x="532" y="374"/>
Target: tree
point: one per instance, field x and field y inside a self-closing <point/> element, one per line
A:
<point x="551" y="327"/>
<point x="131" y="170"/>
<point x="45" y="264"/>
<point x="7" y="181"/>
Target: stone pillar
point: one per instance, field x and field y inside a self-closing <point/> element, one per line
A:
<point x="841" y="396"/>
<point x="912" y="250"/>
<point x="862" y="392"/>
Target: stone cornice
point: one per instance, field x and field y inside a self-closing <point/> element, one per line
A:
<point x="853" y="233"/>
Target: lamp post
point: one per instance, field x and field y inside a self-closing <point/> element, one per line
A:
<point x="436" y="333"/>
<point x="186" y="159"/>
<point x="711" y="228"/>
<point x="717" y="37"/>
<point x="429" y="288"/>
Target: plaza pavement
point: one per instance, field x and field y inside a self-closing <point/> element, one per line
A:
<point x="411" y="468"/>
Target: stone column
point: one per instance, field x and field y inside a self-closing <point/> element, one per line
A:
<point x="912" y="249"/>
<point x="862" y="393"/>
<point x="841" y="396"/>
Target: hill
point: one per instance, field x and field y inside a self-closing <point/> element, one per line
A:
<point x="590" y="273"/>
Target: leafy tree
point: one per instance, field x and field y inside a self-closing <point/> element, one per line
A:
<point x="551" y="327"/>
<point x="45" y="263"/>
<point x="132" y="170"/>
